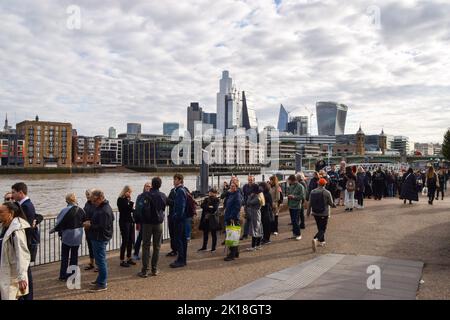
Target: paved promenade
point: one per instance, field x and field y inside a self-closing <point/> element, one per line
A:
<point x="387" y="231"/>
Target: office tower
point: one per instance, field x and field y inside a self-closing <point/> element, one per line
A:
<point x="194" y="114"/>
<point x="170" y="127"/>
<point x="298" y="125"/>
<point x="225" y="89"/>
<point x="134" y="128"/>
<point x="112" y="133"/>
<point x="210" y="118"/>
<point x="283" y="119"/>
<point x="331" y="118"/>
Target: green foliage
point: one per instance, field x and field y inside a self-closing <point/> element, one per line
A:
<point x="446" y="145"/>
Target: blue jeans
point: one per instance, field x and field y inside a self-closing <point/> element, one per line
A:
<point x="295" y="221"/>
<point x="390" y="190"/>
<point x="99" y="248"/>
<point x="181" y="240"/>
<point x="188" y="230"/>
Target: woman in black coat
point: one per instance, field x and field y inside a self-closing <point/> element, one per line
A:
<point x="126" y="224"/>
<point x="409" y="187"/>
<point x="266" y="212"/>
<point x="209" y="221"/>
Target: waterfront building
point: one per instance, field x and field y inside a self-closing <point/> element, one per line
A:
<point x="112" y="133"/>
<point x="110" y="151"/>
<point x="86" y="151"/>
<point x="402" y="145"/>
<point x="298" y="126"/>
<point x="331" y="117"/>
<point x="12" y="148"/>
<point x="151" y="153"/>
<point x="47" y="144"/>
<point x="170" y="127"/>
<point x="134" y="128"/>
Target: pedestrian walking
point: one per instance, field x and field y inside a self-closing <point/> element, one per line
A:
<point x="409" y="187"/>
<point x="100" y="232"/>
<point x="126" y="225"/>
<point x="432" y="183"/>
<point x="209" y="221"/>
<point x="14" y="254"/>
<point x="69" y="225"/>
<point x="319" y="206"/>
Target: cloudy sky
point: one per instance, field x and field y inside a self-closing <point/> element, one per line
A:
<point x="146" y="60"/>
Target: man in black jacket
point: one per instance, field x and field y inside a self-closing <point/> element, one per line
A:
<point x="170" y="204"/>
<point x="100" y="233"/>
<point x="19" y="193"/>
<point x="154" y="206"/>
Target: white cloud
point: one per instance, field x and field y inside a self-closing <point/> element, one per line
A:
<point x="146" y="61"/>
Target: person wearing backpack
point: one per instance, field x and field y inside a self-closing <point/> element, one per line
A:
<point x="152" y="214"/>
<point x="179" y="218"/>
<point x="19" y="193"/>
<point x="320" y="201"/>
<point x="69" y="225"/>
<point x="14" y="254"/>
<point x="350" y="187"/>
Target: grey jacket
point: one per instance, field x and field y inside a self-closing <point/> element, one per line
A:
<point x="254" y="213"/>
<point x="328" y="203"/>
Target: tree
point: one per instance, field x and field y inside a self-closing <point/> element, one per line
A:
<point x="446" y="145"/>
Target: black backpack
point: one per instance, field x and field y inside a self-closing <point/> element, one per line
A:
<point x="149" y="212"/>
<point x="191" y="205"/>
<point x="317" y="202"/>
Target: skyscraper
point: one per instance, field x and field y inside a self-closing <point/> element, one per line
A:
<point x="170" y="127"/>
<point x="283" y="119"/>
<point x="331" y="118"/>
<point x="298" y="125"/>
<point x="225" y="89"/>
<point x="112" y="133"/>
<point x="194" y="114"/>
<point x="210" y="118"/>
<point x="134" y="128"/>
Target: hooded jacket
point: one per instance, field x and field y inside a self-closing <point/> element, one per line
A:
<point x="15" y="260"/>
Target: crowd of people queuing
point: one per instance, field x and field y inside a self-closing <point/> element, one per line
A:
<point x="346" y="186"/>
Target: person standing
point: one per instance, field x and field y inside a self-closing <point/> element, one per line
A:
<point x="8" y="197"/>
<point x="266" y="212"/>
<point x="139" y="204"/>
<point x="232" y="214"/>
<point x="153" y="214"/>
<point x="313" y="183"/>
<point x="19" y="192"/>
<point x="89" y="208"/>
<point x="171" y="222"/>
<point x="275" y="193"/>
<point x="390" y="183"/>
<point x="368" y="185"/>
<point x="441" y="189"/>
<point x="14" y="255"/>
<point x="254" y="204"/>
<point x="341" y="183"/>
<point x="179" y="216"/>
<point x="409" y="187"/>
<point x="360" y="187"/>
<point x="126" y="224"/>
<point x="333" y="183"/>
<point x="246" y="193"/>
<point x="69" y="225"/>
<point x="350" y="187"/>
<point x="209" y="221"/>
<point x="379" y="184"/>
<point x="320" y="201"/>
<point x="296" y="195"/>
<point x="432" y="183"/>
<point x="100" y="231"/>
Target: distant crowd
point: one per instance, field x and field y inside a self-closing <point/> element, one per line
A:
<point x="346" y="186"/>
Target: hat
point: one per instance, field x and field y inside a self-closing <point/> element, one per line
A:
<point x="322" y="182"/>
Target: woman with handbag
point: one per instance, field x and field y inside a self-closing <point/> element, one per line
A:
<point x="209" y="221"/>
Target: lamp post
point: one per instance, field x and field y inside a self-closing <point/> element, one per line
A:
<point x="298" y="162"/>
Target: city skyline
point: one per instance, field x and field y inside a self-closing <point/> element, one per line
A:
<point x="133" y="62"/>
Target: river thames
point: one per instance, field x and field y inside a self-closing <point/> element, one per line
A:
<point x="47" y="192"/>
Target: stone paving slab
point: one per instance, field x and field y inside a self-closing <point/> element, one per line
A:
<point x="335" y="277"/>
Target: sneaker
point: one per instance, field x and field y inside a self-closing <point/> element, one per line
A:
<point x="259" y="248"/>
<point x="98" y="289"/>
<point x="201" y="249"/>
<point x="302" y="226"/>
<point x="351" y="209"/>
<point x="268" y="242"/>
<point x="124" y="264"/>
<point x="322" y="244"/>
<point x="347" y="209"/>
<point x="314" y="245"/>
<point x="155" y="273"/>
<point x="143" y="274"/>
<point x="136" y="257"/>
<point x="228" y="258"/>
<point x="177" y="265"/>
<point x="171" y="254"/>
<point x="93" y="283"/>
<point x="298" y="238"/>
<point x="275" y="233"/>
<point x="251" y="249"/>
<point x="213" y="250"/>
<point x="131" y="262"/>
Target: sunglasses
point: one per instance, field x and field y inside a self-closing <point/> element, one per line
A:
<point x="8" y="199"/>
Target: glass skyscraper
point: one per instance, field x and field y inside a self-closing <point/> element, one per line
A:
<point x="331" y="117"/>
<point x="283" y="119"/>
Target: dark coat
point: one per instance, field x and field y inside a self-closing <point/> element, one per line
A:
<point x="360" y="182"/>
<point x="102" y="223"/>
<point x="158" y="207"/>
<point x="233" y="206"/>
<point x="266" y="209"/>
<point x="30" y="212"/>
<point x="210" y="208"/>
<point x="409" y="187"/>
<point x="125" y="207"/>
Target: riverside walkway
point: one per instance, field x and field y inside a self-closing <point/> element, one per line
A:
<point x="385" y="233"/>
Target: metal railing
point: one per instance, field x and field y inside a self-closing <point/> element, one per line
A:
<point x="49" y="249"/>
